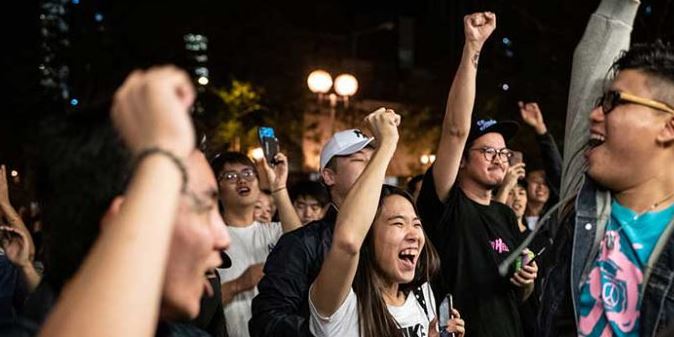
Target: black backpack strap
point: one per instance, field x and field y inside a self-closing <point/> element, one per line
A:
<point x="419" y="295"/>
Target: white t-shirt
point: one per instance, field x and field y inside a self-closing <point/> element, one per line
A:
<point x="532" y="221"/>
<point x="344" y="322"/>
<point x="250" y="245"/>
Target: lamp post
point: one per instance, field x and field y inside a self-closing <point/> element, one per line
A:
<point x="345" y="85"/>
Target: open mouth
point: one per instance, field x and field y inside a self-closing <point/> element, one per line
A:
<point x="243" y="190"/>
<point x="595" y="140"/>
<point x="408" y="257"/>
<point x="208" y="288"/>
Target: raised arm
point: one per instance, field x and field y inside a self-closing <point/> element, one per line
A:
<point x="552" y="159"/>
<point x="460" y="102"/>
<point x="278" y="177"/>
<point x="607" y="34"/>
<point x="121" y="278"/>
<point x="356" y="215"/>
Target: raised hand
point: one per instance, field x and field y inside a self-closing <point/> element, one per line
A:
<point x="383" y="123"/>
<point x="531" y="114"/>
<point x="478" y="27"/>
<point x="151" y="110"/>
<point x="17" y="245"/>
<point x="4" y="187"/>
<point x="277" y="175"/>
<point x="514" y="173"/>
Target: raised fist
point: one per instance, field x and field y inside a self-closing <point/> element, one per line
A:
<point x="151" y="109"/>
<point x="478" y="27"/>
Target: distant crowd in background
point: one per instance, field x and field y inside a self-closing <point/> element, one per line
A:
<point x="136" y="232"/>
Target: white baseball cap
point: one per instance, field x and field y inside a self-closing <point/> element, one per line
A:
<point x="344" y="143"/>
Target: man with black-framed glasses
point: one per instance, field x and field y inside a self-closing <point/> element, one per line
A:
<point x="472" y="233"/>
<point x="251" y="240"/>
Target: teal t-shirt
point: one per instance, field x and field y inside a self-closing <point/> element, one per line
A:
<point x="609" y="299"/>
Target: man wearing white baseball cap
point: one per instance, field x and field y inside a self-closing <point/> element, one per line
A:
<point x="282" y="308"/>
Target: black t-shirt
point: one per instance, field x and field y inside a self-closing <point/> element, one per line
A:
<point x="472" y="239"/>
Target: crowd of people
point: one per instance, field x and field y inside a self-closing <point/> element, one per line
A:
<point x="146" y="236"/>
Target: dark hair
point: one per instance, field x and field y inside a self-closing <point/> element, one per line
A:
<point x="411" y="185"/>
<point x="373" y="315"/>
<point x="230" y="157"/>
<point x="82" y="167"/>
<point x="656" y="60"/>
<point x="308" y="188"/>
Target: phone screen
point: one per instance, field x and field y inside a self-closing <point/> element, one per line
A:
<point x="517" y="158"/>
<point x="269" y="143"/>
<point x="445" y="315"/>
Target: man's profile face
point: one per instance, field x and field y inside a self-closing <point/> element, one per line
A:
<point x="347" y="170"/>
<point x="198" y="237"/>
<point x="627" y="151"/>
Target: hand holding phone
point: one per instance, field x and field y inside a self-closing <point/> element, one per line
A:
<point x="446" y="308"/>
<point x="516" y="158"/>
<point x="269" y="143"/>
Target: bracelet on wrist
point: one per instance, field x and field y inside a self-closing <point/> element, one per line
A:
<point x="278" y="190"/>
<point x="175" y="159"/>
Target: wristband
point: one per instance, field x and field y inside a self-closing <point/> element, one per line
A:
<point x="177" y="161"/>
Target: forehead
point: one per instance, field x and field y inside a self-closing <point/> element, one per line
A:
<point x="536" y="175"/>
<point x="307" y="199"/>
<point x="397" y="205"/>
<point x="632" y="81"/>
<point x="228" y="167"/>
<point x="201" y="177"/>
<point x="492" y="139"/>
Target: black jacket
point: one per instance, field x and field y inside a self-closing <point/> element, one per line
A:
<point x="282" y="306"/>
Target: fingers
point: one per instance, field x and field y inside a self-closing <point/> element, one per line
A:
<point x="456" y="314"/>
<point x="280" y="159"/>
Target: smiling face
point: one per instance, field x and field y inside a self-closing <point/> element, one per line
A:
<point x="537" y="187"/>
<point x="264" y="208"/>
<point x="398" y="239"/>
<point x="624" y="150"/>
<point x="477" y="168"/>
<point x="198" y="237"/>
<point x="517" y="200"/>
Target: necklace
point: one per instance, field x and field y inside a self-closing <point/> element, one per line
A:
<point x="612" y="236"/>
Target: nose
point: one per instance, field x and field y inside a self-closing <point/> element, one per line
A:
<point x="221" y="239"/>
<point x="597" y="114"/>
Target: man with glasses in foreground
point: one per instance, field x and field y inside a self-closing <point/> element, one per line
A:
<point x="613" y="251"/>
<point x="251" y="241"/>
<point x="472" y="233"/>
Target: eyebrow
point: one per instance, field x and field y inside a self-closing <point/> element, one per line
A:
<point x="395" y="217"/>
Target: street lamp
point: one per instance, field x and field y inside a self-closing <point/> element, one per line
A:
<point x="345" y="85"/>
<point x="319" y="82"/>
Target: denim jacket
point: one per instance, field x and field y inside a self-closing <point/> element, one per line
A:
<point x="575" y="254"/>
<point x="578" y="230"/>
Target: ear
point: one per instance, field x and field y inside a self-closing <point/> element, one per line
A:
<point x="113" y="211"/>
<point x="666" y="134"/>
<point x="328" y="176"/>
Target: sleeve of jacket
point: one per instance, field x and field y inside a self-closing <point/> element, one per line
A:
<point x="552" y="162"/>
<point x="606" y="35"/>
<point x="278" y="309"/>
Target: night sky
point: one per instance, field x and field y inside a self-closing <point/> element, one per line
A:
<point x="275" y="44"/>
